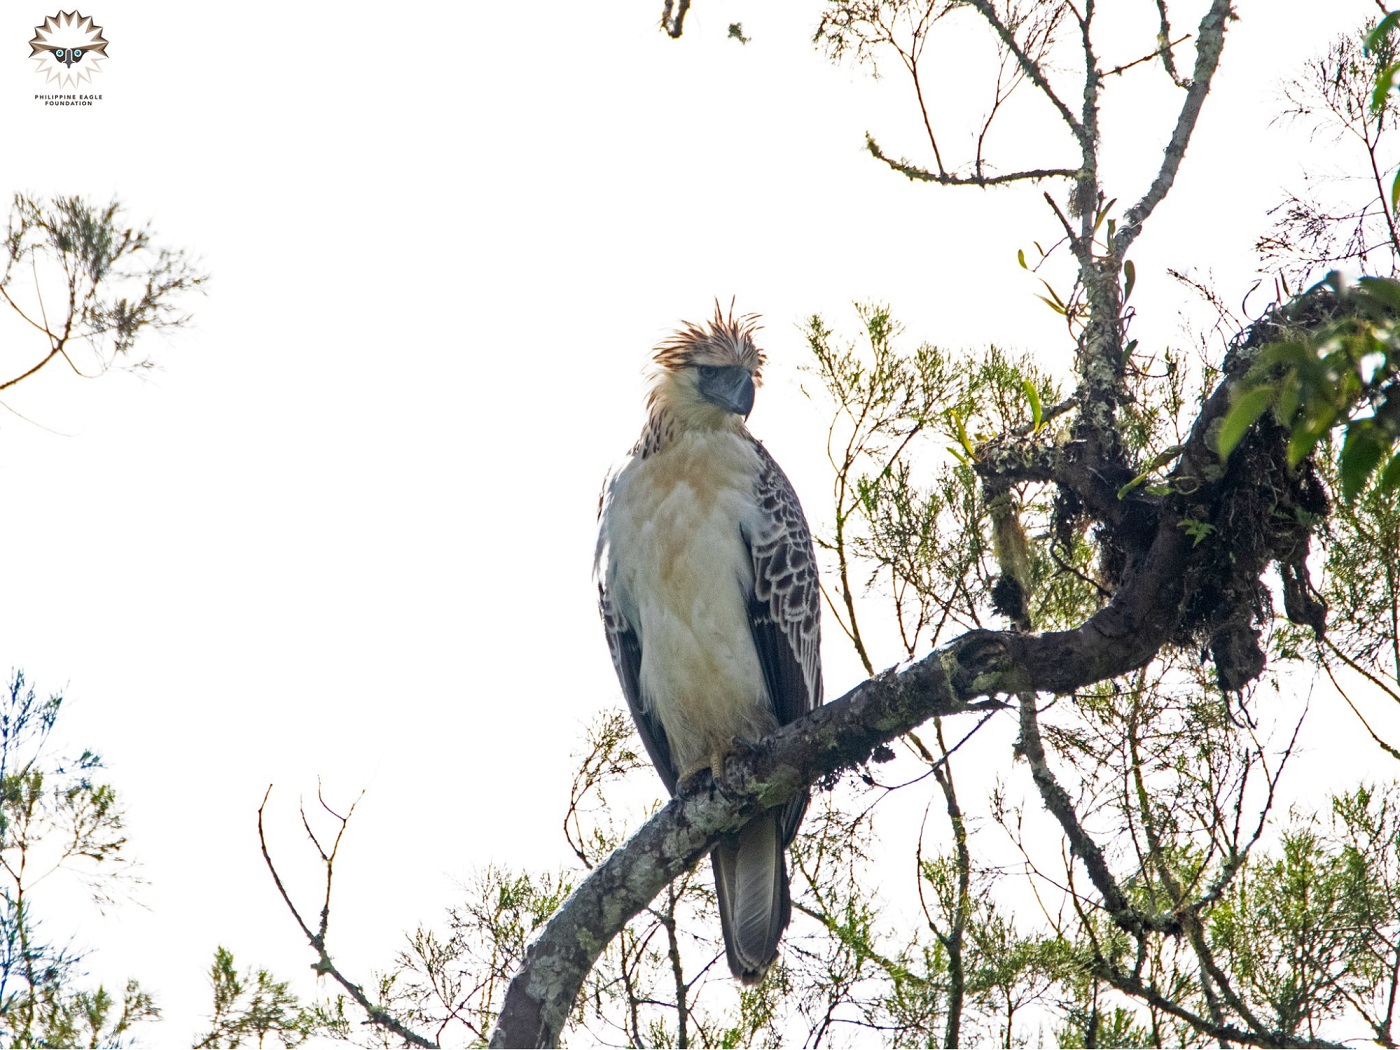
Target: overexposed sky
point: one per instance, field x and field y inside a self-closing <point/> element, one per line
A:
<point x="346" y="530"/>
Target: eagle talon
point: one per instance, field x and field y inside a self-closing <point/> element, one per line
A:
<point x="726" y="795"/>
<point x="739" y="749"/>
<point x="690" y="783"/>
<point x="742" y="748"/>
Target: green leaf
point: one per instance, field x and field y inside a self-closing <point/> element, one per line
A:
<point x="1033" y="396"/>
<point x="1123" y="492"/>
<point x="1129" y="278"/>
<point x="1361" y="452"/>
<point x="1383" y="29"/>
<point x="1289" y="352"/>
<point x="1054" y="306"/>
<point x="1248" y="406"/>
<point x="1383" y="290"/>
<point x="1308" y="433"/>
<point x="1290" y="395"/>
<point x="1195" y="528"/>
<point x="1384" y="79"/>
<point x="1390" y="476"/>
<point x="960" y="431"/>
<point x="1103" y="214"/>
<point x="1021" y="258"/>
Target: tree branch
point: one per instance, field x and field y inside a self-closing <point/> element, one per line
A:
<point x="1057" y="801"/>
<point x="918" y="174"/>
<point x="1030" y="66"/>
<point x="1164" y="35"/>
<point x="1121" y="637"/>
<point x="1209" y="42"/>
<point x="25" y="375"/>
<point x="1165" y="51"/>
<point x="966" y="675"/>
<point x="1148" y="993"/>
<point x="323" y="965"/>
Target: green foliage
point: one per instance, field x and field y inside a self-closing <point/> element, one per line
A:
<point x="1361" y="581"/>
<point x="90" y="285"/>
<point x="915" y="519"/>
<point x="1310" y="931"/>
<point x="251" y="1007"/>
<point x="1344" y="373"/>
<point x="57" y="820"/>
<point x="1198" y="530"/>
<point x="87" y="1018"/>
<point x="1117" y="1026"/>
<point x="1341" y="220"/>
<point x="1378" y="42"/>
<point x="463" y="975"/>
<point x="96" y="282"/>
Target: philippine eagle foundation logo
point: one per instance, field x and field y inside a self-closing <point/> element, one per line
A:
<point x="68" y="48"/>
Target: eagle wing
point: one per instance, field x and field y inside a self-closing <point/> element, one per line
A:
<point x="626" y="649"/>
<point x="785" y="608"/>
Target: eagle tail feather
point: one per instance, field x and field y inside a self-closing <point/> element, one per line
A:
<point x="751" y="882"/>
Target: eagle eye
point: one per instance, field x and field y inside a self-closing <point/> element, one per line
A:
<point x="710" y="371"/>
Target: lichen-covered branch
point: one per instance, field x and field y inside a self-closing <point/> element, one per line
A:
<point x="981" y="664"/>
<point x="942" y="178"/>
<point x="968" y="674"/>
<point x="1171" y="588"/>
<point x="1210" y="40"/>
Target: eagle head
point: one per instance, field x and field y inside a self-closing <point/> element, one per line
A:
<point x="706" y="375"/>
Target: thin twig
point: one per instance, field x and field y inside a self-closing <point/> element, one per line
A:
<point x="323" y="965"/>
<point x="918" y="174"/>
<point x="1164" y="51"/>
<point x="1210" y="41"/>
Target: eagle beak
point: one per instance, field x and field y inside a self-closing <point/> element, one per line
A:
<point x="731" y="390"/>
<point x="742" y="402"/>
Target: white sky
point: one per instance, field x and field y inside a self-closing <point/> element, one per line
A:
<point x="347" y="530"/>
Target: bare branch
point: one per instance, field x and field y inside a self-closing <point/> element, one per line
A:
<point x="1057" y="801"/>
<point x="1164" y="51"/>
<point x="26" y="374"/>
<point x="1164" y="35"/>
<point x="917" y="174"/>
<point x="1031" y="67"/>
<point x="1209" y="42"/>
<point x="323" y="965"/>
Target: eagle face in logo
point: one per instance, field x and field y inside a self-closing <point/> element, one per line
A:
<point x="60" y="45"/>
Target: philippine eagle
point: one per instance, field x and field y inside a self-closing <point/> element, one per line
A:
<point x="708" y="589"/>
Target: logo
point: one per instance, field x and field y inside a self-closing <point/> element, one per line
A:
<point x="69" y="49"/>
